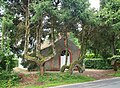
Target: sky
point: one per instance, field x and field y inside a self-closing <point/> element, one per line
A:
<point x="95" y="4"/>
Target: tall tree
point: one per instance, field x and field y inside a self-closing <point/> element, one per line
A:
<point x="77" y="12"/>
<point x="109" y="15"/>
<point x="41" y="12"/>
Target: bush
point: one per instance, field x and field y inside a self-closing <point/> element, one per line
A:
<point x="7" y="79"/>
<point x="7" y="62"/>
<point x="98" y="64"/>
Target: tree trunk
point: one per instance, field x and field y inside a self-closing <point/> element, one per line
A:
<point x="66" y="53"/>
<point x="83" y="46"/>
<point x="42" y="70"/>
<point x="113" y="44"/>
<point x="53" y="35"/>
<point x="27" y="30"/>
<point x="38" y="39"/>
<point x="53" y="39"/>
<point x="3" y="35"/>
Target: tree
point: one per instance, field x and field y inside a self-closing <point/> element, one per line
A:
<point x="30" y="21"/>
<point x="6" y="62"/>
<point x="76" y="13"/>
<point x="109" y="15"/>
<point x="45" y="9"/>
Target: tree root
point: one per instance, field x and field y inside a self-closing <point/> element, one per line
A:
<point x="76" y="64"/>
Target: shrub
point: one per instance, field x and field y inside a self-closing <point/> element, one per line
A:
<point x="7" y="79"/>
<point x="7" y="62"/>
<point x="98" y="64"/>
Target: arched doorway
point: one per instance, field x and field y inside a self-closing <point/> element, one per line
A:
<point x="63" y="58"/>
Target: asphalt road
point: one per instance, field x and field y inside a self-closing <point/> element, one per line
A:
<point x="106" y="83"/>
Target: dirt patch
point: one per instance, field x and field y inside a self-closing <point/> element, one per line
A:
<point x="30" y="79"/>
<point x="98" y="74"/>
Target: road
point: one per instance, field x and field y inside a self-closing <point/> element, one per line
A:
<point x="106" y="83"/>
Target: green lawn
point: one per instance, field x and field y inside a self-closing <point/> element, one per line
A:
<point x="55" y="79"/>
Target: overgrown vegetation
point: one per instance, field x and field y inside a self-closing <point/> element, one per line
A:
<point x="8" y="60"/>
<point x="8" y="79"/>
<point x="55" y="79"/>
<point x="7" y="63"/>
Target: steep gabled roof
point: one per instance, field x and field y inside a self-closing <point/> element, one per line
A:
<point x="59" y="47"/>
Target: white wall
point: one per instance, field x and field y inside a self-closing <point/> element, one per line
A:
<point x="63" y="60"/>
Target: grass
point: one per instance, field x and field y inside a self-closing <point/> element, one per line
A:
<point x="117" y="74"/>
<point x="55" y="79"/>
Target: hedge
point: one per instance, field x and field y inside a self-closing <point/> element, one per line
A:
<point x="98" y="64"/>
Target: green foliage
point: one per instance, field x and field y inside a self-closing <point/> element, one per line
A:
<point x="7" y="79"/>
<point x="109" y="22"/>
<point x="114" y="59"/>
<point x="74" y="40"/>
<point x="7" y="58"/>
<point x="98" y="63"/>
<point x="105" y="40"/>
<point x="7" y="62"/>
<point x="91" y="55"/>
<point x="40" y="9"/>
